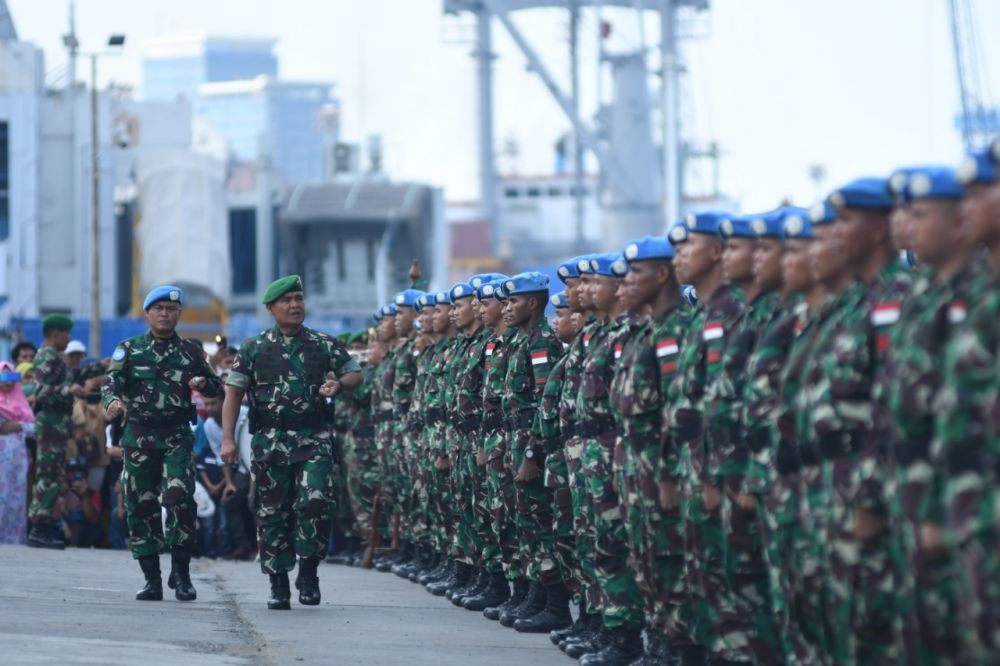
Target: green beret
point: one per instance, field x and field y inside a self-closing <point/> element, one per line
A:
<point x="57" y="322"/>
<point x="280" y="287"/>
<point x="360" y="337"/>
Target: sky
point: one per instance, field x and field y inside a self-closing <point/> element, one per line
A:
<point x="858" y="86"/>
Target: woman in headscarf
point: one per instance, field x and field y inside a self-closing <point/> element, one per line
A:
<point x="16" y="419"/>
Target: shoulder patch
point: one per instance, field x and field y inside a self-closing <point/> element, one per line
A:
<point x="118" y="354"/>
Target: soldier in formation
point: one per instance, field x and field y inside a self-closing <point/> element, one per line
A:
<point x="758" y="439"/>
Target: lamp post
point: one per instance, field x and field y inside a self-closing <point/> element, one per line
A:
<point x="115" y="41"/>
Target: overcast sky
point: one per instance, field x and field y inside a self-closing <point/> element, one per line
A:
<point x="859" y="86"/>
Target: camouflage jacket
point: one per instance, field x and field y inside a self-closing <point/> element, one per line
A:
<point x="699" y="364"/>
<point x="382" y="390"/>
<point x="531" y="356"/>
<point x="576" y="356"/>
<point x="361" y="422"/>
<point x="425" y="383"/>
<point x="150" y="377"/>
<point x="467" y="391"/>
<point x="593" y="401"/>
<point x="282" y="376"/>
<point x="53" y="401"/>
<point x="547" y="433"/>
<point x="404" y="379"/>
<point x="494" y="386"/>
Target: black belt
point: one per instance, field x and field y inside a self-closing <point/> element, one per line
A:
<point x="835" y="445"/>
<point x="522" y="420"/>
<point x="152" y="424"/>
<point x="596" y="427"/>
<point x="492" y="420"/>
<point x="294" y="422"/>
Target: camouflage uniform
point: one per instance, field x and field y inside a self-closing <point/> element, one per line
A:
<point x="150" y="378"/>
<point x="291" y="445"/>
<point x="384" y="433"/>
<point x="620" y="600"/>
<point x="442" y="442"/>
<point x="360" y="454"/>
<point x="419" y="466"/>
<point x="529" y="360"/>
<point x="53" y="427"/>
<point x="686" y="462"/>
<point x="343" y="461"/>
<point x="401" y="482"/>
<point x="644" y="371"/>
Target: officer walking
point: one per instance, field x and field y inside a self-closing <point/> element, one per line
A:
<point x="151" y="377"/>
<point x="286" y="373"/>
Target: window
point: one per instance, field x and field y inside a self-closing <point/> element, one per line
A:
<point x="4" y="182"/>
<point x="341" y="261"/>
<point x="243" y="249"/>
<point x="534" y="192"/>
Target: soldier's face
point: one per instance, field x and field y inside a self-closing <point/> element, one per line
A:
<point x="573" y="294"/>
<point x="827" y="258"/>
<point x="796" y="266"/>
<point x="404" y="321"/>
<point x="935" y="229"/>
<point x="767" y="262"/>
<point x="517" y="310"/>
<point x="289" y="309"/>
<point x="162" y="318"/>
<point x="622" y="296"/>
<point x="899" y="225"/>
<point x="442" y="318"/>
<point x="602" y="293"/>
<point x="737" y="259"/>
<point x="857" y="233"/>
<point x="492" y="310"/>
<point x="645" y="280"/>
<point x="981" y="213"/>
<point x="565" y="325"/>
<point x="583" y="292"/>
<point x="699" y="255"/>
<point x="464" y="313"/>
<point x="387" y="329"/>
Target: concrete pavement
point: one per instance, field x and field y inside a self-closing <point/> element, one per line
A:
<point x="78" y="607"/>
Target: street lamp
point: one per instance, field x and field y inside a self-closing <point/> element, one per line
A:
<point x="114" y="41"/>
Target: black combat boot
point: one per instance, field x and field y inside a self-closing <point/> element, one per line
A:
<point x="495" y="593"/>
<point x="307" y="582"/>
<point x="691" y="655"/>
<point x="657" y="651"/>
<point x="592" y="626"/>
<point x="281" y="595"/>
<point x="180" y="574"/>
<point x="574" y="629"/>
<point x="428" y="563"/>
<point x="595" y="643"/>
<point x="42" y="536"/>
<point x="533" y="603"/>
<point x="624" y="645"/>
<point x="153" y="589"/>
<point x="555" y="614"/>
<point x="384" y="563"/>
<point x="407" y="554"/>
<point x="346" y="552"/>
<point x="476" y="585"/>
<point x="443" y="571"/>
<point x="460" y="574"/>
<point x="521" y="587"/>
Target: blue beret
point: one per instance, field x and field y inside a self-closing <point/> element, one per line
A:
<point x="390" y="310"/>
<point x="865" y="193"/>
<point x="821" y="213"/>
<point x="525" y="283"/>
<point x="600" y="264"/>
<point x="407" y="298"/>
<point x="619" y="267"/>
<point x="559" y="301"/>
<point x="933" y="183"/>
<point x="482" y="278"/>
<point x="897" y="184"/>
<point x="648" y="248"/>
<point x="736" y="226"/>
<point x="773" y="224"/>
<point x="689" y="294"/>
<point x="569" y="270"/>
<point x="443" y="298"/>
<point x="981" y="166"/>
<point x="378" y="315"/>
<point x="583" y="265"/>
<point x="706" y="222"/>
<point x="167" y="292"/>
<point x="486" y="290"/>
<point x="424" y="301"/>
<point x="462" y="290"/>
<point x="797" y="226"/>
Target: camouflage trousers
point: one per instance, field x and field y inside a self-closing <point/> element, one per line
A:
<point x="557" y="483"/>
<point x="293" y="511"/>
<point x="443" y="495"/>
<point x="812" y="559"/>
<point x="159" y="471"/>
<point x="620" y="600"/>
<point x="383" y="478"/>
<point x="536" y="543"/>
<point x="342" y="509"/>
<point x="420" y="468"/>
<point x="503" y="506"/>
<point x="465" y="542"/>
<point x="401" y="480"/>
<point x="361" y="461"/>
<point x="585" y="572"/>
<point x="487" y="549"/>
<point x="50" y="468"/>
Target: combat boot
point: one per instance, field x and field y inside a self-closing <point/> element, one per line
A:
<point x="657" y="651"/>
<point x="461" y="572"/>
<point x="180" y="574"/>
<point x="307" y="582"/>
<point x="595" y="643"/>
<point x="428" y="563"/>
<point x="623" y="646"/>
<point x="404" y="560"/>
<point x="582" y="620"/>
<point x="495" y="593"/>
<point x="442" y="572"/>
<point x="555" y="614"/>
<point x="691" y="655"/>
<point x="384" y="563"/>
<point x="281" y="595"/>
<point x="476" y="585"/>
<point x="533" y="603"/>
<point x="521" y="587"/>
<point x="592" y="625"/>
<point x="153" y="589"/>
<point x="41" y="536"/>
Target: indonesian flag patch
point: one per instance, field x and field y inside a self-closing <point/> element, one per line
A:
<point x="416" y="352"/>
<point x="713" y="330"/>
<point x="886" y="314"/>
<point x="666" y="347"/>
<point x="539" y="357"/>
<point x="957" y="312"/>
<point x="586" y="339"/>
<point x="489" y="349"/>
<point x="619" y="348"/>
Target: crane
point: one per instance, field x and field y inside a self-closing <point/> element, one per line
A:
<point x="979" y="121"/>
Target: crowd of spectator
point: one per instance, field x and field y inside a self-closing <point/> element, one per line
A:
<point x="90" y="510"/>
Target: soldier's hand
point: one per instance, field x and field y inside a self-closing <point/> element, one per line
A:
<point x="711" y="498"/>
<point x="481" y="457"/>
<point x="868" y="525"/>
<point x="228" y="452"/>
<point x="197" y="383"/>
<point x="527" y="473"/>
<point x="113" y="411"/>
<point x="669" y="501"/>
<point x="78" y="391"/>
<point x="329" y="388"/>
<point x="746" y="501"/>
<point x="932" y="540"/>
<point x="442" y="465"/>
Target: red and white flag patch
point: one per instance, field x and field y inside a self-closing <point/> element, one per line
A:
<point x="886" y="314"/>
<point x="539" y="357"/>
<point x="957" y="312"/>
<point x="666" y="347"/>
<point x="713" y="330"/>
<point x="619" y="348"/>
<point x="489" y="348"/>
<point x="586" y="339"/>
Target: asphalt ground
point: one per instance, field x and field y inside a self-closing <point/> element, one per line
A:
<point x="78" y="607"/>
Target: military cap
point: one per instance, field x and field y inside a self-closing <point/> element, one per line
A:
<point x="981" y="166"/>
<point x="569" y="270"/>
<point x="933" y="183"/>
<point x="559" y="301"/>
<point x="483" y="278"/>
<point x="407" y="298"/>
<point x="689" y="294"/>
<point x="619" y="267"/>
<point x="706" y="222"/>
<point x="821" y="213"/>
<point x="600" y="264"/>
<point x="583" y="265"/>
<point x="443" y="298"/>
<point x="280" y="287"/>
<point x="488" y="289"/>
<point x="897" y="185"/>
<point x="462" y="290"/>
<point x="166" y="292"/>
<point x="800" y="226"/>
<point x="57" y="322"/>
<point x="772" y="224"/>
<point x="736" y="226"/>
<point x="649" y="248"/>
<point x="390" y="310"/>
<point x="525" y="283"/>
<point x="864" y="193"/>
<point x="378" y="315"/>
<point x="424" y="301"/>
